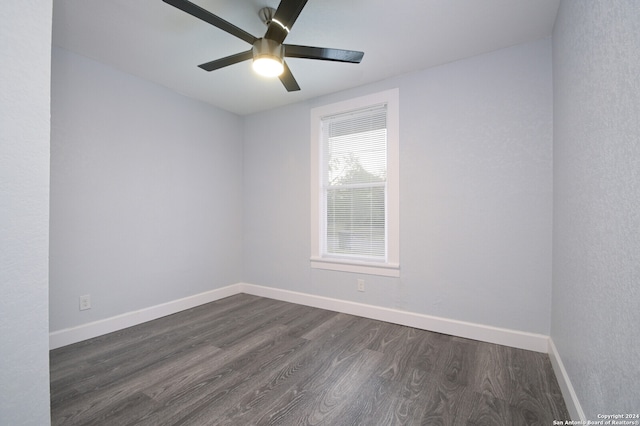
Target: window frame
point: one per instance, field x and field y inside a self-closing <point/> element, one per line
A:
<point x="391" y="265"/>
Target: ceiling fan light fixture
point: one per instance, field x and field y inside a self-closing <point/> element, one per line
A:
<point x="268" y="52"/>
<point x="268" y="66"/>
<point x="268" y="58"/>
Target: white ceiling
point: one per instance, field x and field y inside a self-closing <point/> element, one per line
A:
<point x="156" y="41"/>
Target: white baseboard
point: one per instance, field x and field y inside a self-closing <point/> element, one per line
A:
<point x="568" y="393"/>
<point x="108" y="325"/>
<point x="484" y="333"/>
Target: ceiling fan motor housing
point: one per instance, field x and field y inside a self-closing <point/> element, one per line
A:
<point x="265" y="47"/>
<point x="271" y="54"/>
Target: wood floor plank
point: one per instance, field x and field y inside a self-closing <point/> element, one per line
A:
<point x="81" y="404"/>
<point x="493" y="377"/>
<point x="458" y="363"/>
<point x="487" y="410"/>
<point x="450" y="397"/>
<point x="409" y="349"/>
<point x="342" y="388"/>
<point x="337" y="322"/>
<point x="248" y="360"/>
<point x="365" y="399"/>
<point x="533" y="387"/>
<point x="250" y="389"/>
<point x="389" y="402"/>
<point x="127" y="412"/>
<point x="327" y="354"/>
<point x="305" y="319"/>
<point x="318" y="398"/>
<point x="219" y="312"/>
<point x="199" y="374"/>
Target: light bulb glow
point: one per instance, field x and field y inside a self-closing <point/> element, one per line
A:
<point x="268" y="66"/>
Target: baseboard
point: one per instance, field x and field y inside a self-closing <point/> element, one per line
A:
<point x="72" y="335"/>
<point x="568" y="393"/>
<point x="484" y="333"/>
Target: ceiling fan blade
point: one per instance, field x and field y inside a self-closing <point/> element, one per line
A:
<point x="286" y="15"/>
<point x="205" y="15"/>
<point x="225" y="62"/>
<point x="287" y="79"/>
<point x="322" y="53"/>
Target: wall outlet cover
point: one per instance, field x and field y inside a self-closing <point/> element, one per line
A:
<point x="85" y="302"/>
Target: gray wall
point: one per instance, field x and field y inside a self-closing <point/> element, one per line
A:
<point x="154" y="197"/>
<point x="596" y="243"/>
<point x="25" y="55"/>
<point x="475" y="194"/>
<point x="146" y="187"/>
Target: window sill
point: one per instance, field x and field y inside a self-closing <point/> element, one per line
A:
<point x="369" y="268"/>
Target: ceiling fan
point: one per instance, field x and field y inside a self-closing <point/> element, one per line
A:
<point x="268" y="52"/>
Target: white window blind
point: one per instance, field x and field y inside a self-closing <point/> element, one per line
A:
<point x="354" y="183"/>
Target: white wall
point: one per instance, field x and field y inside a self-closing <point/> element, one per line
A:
<point x="25" y="55"/>
<point x="596" y="243"/>
<point x="146" y="186"/>
<point x="475" y="195"/>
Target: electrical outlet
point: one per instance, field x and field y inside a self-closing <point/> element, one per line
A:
<point x="360" y="284"/>
<point x="85" y="302"/>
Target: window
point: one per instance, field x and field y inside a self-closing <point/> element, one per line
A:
<point x="354" y="178"/>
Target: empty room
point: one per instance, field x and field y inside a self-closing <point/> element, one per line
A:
<point x="418" y="212"/>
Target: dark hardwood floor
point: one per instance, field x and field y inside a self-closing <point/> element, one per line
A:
<point x="250" y="360"/>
